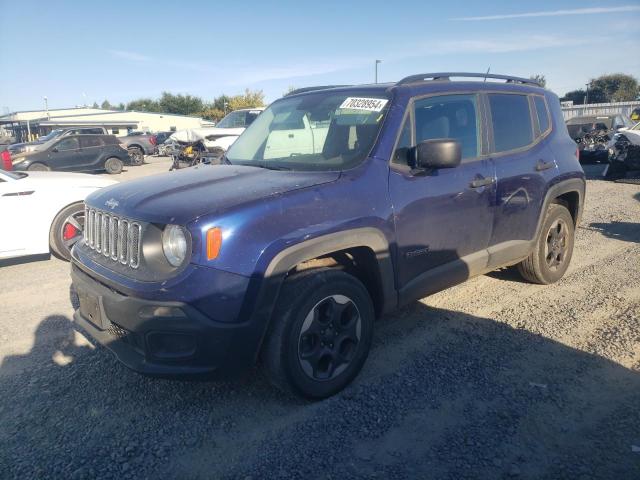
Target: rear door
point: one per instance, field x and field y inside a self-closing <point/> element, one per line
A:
<point x="92" y="148"/>
<point x="443" y="217"/>
<point x="520" y="125"/>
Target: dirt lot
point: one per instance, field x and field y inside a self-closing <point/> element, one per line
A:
<point x="495" y="378"/>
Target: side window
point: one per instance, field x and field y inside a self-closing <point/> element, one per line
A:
<point x="115" y="131"/>
<point x="404" y="143"/>
<point x="91" y="141"/>
<point x="67" y="144"/>
<point x="449" y="116"/>
<point x="511" y="121"/>
<point x="542" y="113"/>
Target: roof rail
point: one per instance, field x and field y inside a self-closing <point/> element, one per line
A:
<point x="311" y="89"/>
<point x="446" y="76"/>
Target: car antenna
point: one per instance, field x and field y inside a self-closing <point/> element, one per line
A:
<point x="485" y="75"/>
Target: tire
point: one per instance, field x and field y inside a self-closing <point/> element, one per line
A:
<point x="67" y="228"/>
<point x="551" y="256"/>
<point x="137" y="156"/>
<point x="309" y="315"/>
<point x="113" y="165"/>
<point x="38" y="167"/>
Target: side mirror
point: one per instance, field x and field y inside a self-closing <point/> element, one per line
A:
<point x="437" y="153"/>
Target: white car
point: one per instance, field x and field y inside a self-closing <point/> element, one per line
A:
<point x="43" y="211"/>
<point x="224" y="133"/>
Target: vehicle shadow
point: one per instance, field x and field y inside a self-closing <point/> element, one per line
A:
<point x="7" y="262"/>
<point x="625" y="231"/>
<point x="444" y="394"/>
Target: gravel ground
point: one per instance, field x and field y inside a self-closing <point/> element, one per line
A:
<point x="495" y="378"/>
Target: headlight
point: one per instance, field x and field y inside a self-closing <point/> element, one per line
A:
<point x="174" y="244"/>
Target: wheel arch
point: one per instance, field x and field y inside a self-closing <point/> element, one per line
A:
<point x="569" y="193"/>
<point x="368" y="246"/>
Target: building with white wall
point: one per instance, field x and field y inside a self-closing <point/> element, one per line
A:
<point x="31" y="124"/>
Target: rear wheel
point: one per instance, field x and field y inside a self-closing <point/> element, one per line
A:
<point x="113" y="165"/>
<point x="38" y="167"/>
<point x="66" y="230"/>
<point x="550" y="258"/>
<point x="137" y="155"/>
<point x="320" y="334"/>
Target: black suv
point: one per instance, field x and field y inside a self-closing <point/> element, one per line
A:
<point x="76" y="153"/>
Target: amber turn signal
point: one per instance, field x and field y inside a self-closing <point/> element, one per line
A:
<point x="214" y="242"/>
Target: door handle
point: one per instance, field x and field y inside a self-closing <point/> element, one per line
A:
<point x="482" y="182"/>
<point x="542" y="165"/>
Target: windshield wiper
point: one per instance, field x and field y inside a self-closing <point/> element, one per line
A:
<point x="274" y="167"/>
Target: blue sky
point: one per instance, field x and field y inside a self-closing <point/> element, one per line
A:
<point x="81" y="52"/>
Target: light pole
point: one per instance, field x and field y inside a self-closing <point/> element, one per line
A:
<point x="376" y="77"/>
<point x="46" y="106"/>
<point x="224" y="105"/>
<point x="586" y="98"/>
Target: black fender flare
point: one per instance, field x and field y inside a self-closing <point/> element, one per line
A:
<point x="267" y="288"/>
<point x="577" y="185"/>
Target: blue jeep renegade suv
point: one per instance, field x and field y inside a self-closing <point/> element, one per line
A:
<point x="336" y="205"/>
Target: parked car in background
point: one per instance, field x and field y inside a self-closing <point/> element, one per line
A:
<point x="43" y="211"/>
<point x="635" y="115"/>
<point x="76" y="153"/>
<point x="27" y="147"/>
<point x="162" y="136"/>
<point x="139" y="144"/>
<point x="222" y="136"/>
<point x="286" y="256"/>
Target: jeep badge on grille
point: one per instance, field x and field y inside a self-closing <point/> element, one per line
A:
<point x="111" y="203"/>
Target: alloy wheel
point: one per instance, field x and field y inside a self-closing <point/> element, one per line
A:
<point x="329" y="337"/>
<point x="557" y="244"/>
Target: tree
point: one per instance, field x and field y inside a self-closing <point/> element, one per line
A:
<point x="95" y="105"/>
<point x="289" y="90"/>
<point x="144" y="105"/>
<point x="575" y="96"/>
<point x="616" y="87"/>
<point x="538" y="77"/>
<point x="106" y="105"/>
<point x="180" y="104"/>
<point x="248" y="100"/>
<point x="211" y="113"/>
<point x="121" y="106"/>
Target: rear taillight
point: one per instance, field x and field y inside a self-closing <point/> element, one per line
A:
<point x="5" y="160"/>
<point x="153" y="140"/>
<point x="578" y="153"/>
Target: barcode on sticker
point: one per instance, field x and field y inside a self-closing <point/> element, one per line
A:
<point x="368" y="104"/>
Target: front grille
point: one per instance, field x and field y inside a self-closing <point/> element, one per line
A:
<point x="116" y="238"/>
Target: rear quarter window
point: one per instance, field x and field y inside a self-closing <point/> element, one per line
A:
<point x="511" y="121"/>
<point x="542" y="114"/>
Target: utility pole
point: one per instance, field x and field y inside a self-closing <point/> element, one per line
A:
<point x="376" y="77"/>
<point x="46" y="107"/>
<point x="586" y="97"/>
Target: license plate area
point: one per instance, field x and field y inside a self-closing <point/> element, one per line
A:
<point x="90" y="308"/>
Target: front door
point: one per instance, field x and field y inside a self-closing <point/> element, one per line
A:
<point x="443" y="218"/>
<point x="65" y="155"/>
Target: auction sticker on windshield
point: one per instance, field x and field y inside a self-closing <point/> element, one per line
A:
<point x="368" y="104"/>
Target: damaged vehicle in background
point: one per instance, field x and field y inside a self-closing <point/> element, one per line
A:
<point x="624" y="156"/>
<point x="207" y="145"/>
<point x="592" y="133"/>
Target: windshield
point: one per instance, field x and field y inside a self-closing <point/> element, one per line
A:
<point x="50" y="135"/>
<point x="320" y="131"/>
<point x="235" y="119"/>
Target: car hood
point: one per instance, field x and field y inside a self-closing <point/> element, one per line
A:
<point x="182" y="196"/>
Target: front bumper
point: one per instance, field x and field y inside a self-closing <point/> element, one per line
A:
<point x="158" y="338"/>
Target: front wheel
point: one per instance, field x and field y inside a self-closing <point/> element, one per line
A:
<point x="320" y="334"/>
<point x="113" y="165"/>
<point x="38" y="167"/>
<point x="66" y="230"/>
<point x="550" y="258"/>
